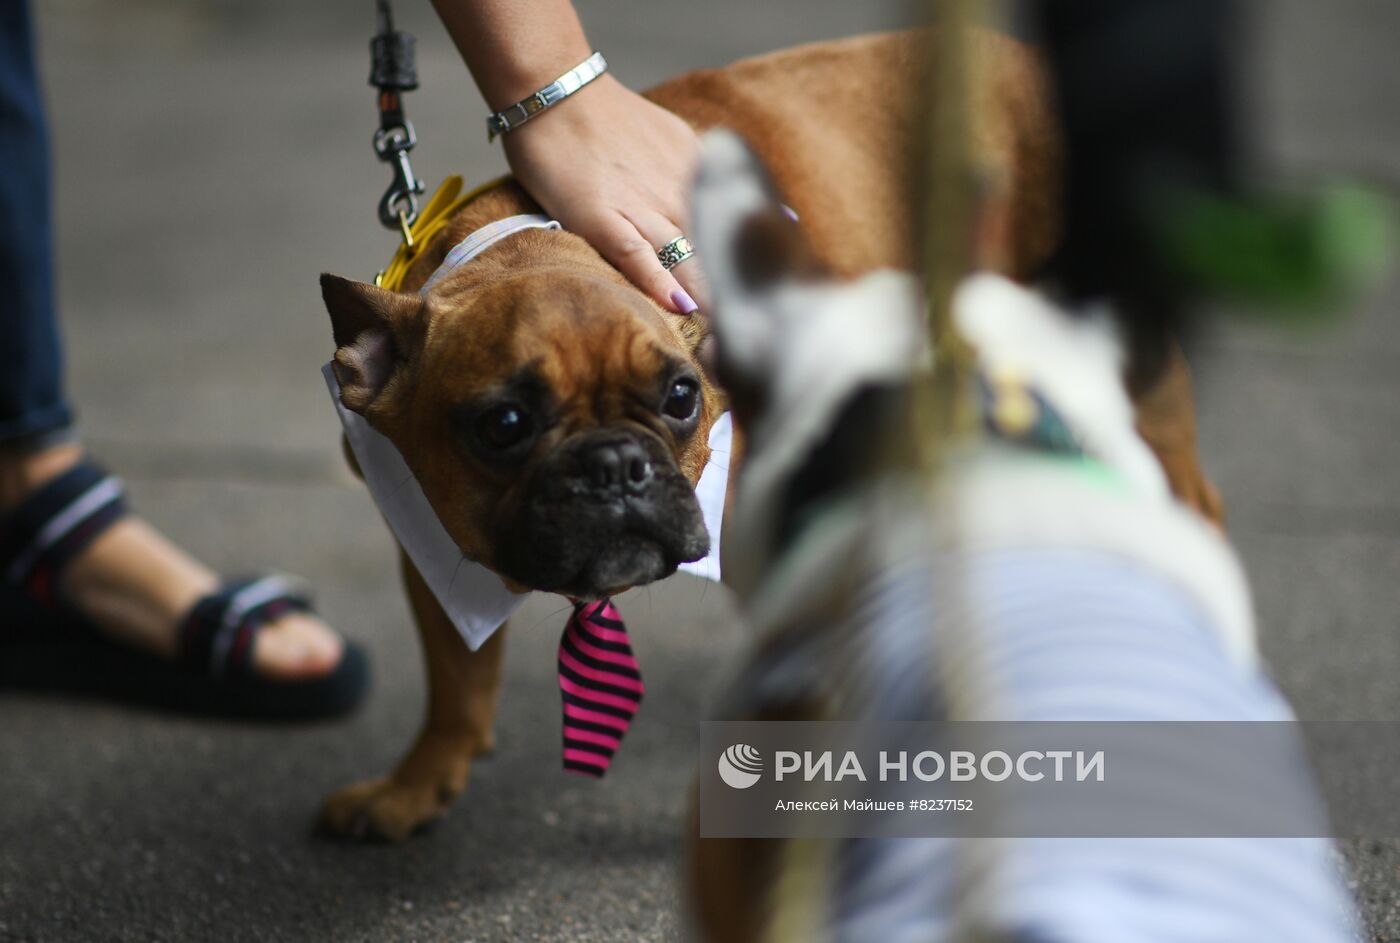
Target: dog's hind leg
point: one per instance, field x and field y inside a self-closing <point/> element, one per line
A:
<point x="463" y="688"/>
<point x="1166" y="419"/>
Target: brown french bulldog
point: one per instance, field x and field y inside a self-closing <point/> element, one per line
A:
<point x="557" y="419"/>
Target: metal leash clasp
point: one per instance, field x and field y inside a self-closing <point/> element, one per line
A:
<point x="398" y="207"/>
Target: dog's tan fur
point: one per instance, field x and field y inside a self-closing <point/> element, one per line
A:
<point x="840" y="128"/>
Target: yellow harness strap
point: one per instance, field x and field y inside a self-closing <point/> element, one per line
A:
<point x="434" y="218"/>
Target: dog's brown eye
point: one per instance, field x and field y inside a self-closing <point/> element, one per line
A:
<point x="682" y="399"/>
<point x="504" y="426"/>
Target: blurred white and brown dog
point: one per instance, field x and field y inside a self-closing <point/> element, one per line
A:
<point x="1047" y="575"/>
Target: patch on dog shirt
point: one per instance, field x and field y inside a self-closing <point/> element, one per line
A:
<point x="474" y="598"/>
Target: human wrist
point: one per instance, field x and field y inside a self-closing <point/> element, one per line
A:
<point x="506" y="48"/>
<point x="576" y="118"/>
<point x="517" y="74"/>
<point x="533" y="105"/>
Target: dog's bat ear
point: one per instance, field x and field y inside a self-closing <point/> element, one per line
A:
<point x="750" y="247"/>
<point x="375" y="330"/>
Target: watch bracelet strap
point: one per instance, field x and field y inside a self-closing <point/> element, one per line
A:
<point x="512" y="117"/>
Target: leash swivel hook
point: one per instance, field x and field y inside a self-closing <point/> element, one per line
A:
<point x="394" y="71"/>
<point x="398" y="207"/>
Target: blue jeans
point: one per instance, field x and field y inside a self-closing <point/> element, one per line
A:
<point x="32" y="407"/>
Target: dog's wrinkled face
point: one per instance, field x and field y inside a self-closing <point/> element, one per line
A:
<point x="555" y="420"/>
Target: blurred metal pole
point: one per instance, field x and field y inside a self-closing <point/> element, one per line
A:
<point x="943" y="411"/>
<point x="943" y="414"/>
<point x="946" y="407"/>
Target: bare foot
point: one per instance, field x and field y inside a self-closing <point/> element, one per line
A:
<point x="135" y="585"/>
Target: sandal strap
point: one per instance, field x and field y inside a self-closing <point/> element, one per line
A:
<point x="217" y="635"/>
<point x="54" y="525"/>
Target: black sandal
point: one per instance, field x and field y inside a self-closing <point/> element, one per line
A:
<point x="48" y="646"/>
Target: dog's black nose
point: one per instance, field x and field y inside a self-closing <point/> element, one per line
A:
<point x="618" y="467"/>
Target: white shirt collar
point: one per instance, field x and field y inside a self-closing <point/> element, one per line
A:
<point x="483" y="239"/>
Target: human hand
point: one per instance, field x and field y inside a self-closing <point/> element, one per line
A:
<point x="616" y="169"/>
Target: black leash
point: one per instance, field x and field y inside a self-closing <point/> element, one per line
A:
<point x="393" y="71"/>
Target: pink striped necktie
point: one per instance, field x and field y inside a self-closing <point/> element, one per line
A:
<point x="601" y="686"/>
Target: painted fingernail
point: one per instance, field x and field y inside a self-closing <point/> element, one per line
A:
<point x="791" y="213"/>
<point x="683" y="302"/>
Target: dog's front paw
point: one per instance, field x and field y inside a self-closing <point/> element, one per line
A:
<point x="392" y="808"/>
<point x="384" y="809"/>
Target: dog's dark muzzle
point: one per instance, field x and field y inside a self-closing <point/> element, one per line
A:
<point x="609" y="511"/>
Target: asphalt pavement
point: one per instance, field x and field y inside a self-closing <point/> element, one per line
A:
<point x="212" y="159"/>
